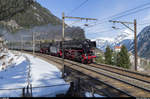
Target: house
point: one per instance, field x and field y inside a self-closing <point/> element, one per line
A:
<point x="117" y="48"/>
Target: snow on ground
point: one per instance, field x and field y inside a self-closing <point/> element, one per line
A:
<point x="42" y="74"/>
<point x="6" y="59"/>
<point x="89" y="94"/>
<point x="139" y="68"/>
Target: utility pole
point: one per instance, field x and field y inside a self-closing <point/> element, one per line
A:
<point x="135" y="38"/>
<point x="135" y="44"/>
<point x="21" y="43"/>
<point x="12" y="45"/>
<point x="33" y="43"/>
<point x="63" y="33"/>
<point x="34" y="34"/>
<point x="63" y="37"/>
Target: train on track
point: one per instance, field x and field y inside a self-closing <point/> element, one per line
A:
<point x="76" y="50"/>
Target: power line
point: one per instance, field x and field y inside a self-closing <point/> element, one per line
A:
<point x="132" y="9"/>
<point x="148" y="23"/>
<point x="101" y="28"/>
<point x="96" y="24"/>
<point x="128" y="12"/>
<point x="74" y="22"/>
<point x="109" y="30"/>
<point x="138" y="7"/>
<point x="131" y="13"/>
<point x="103" y="20"/>
<point x="78" y="6"/>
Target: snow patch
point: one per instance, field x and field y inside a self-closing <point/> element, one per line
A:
<point x="104" y="38"/>
<point x="42" y="74"/>
<point x="89" y="94"/>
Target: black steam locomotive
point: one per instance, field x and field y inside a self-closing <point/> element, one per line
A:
<point x="77" y="50"/>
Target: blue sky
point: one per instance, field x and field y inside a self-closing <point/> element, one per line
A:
<point x="99" y="9"/>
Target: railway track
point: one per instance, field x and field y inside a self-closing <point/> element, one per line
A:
<point x="132" y="74"/>
<point x="129" y="82"/>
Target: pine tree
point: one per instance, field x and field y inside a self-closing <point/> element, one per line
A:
<point x="123" y="58"/>
<point x="108" y="56"/>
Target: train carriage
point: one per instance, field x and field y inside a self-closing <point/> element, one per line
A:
<point x="56" y="49"/>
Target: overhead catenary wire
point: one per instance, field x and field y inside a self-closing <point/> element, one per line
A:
<point x="147" y="23"/>
<point x="129" y="10"/>
<point x="140" y="24"/>
<point x="115" y="14"/>
<point x="105" y="31"/>
<point x="102" y="21"/>
<point x="74" y="22"/>
<point x="119" y="15"/>
<point x="125" y="13"/>
<point x="102" y="28"/>
<point x="73" y="10"/>
<point x="131" y="13"/>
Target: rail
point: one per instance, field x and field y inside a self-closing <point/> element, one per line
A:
<point x="130" y="84"/>
<point x="126" y="84"/>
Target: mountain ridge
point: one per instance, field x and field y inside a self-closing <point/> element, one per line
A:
<point x="121" y="39"/>
<point x="37" y="19"/>
<point x="143" y="43"/>
<point x="34" y="15"/>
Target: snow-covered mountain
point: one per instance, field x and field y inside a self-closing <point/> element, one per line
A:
<point x="102" y="43"/>
<point x="125" y="38"/>
<point x="143" y="41"/>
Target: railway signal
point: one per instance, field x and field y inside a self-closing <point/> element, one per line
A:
<point x="63" y="32"/>
<point x="135" y="38"/>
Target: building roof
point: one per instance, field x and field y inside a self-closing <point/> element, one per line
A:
<point x="117" y="47"/>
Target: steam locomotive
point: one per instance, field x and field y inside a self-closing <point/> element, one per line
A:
<point x="77" y="50"/>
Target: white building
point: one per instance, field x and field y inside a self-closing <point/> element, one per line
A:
<point x="117" y="48"/>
